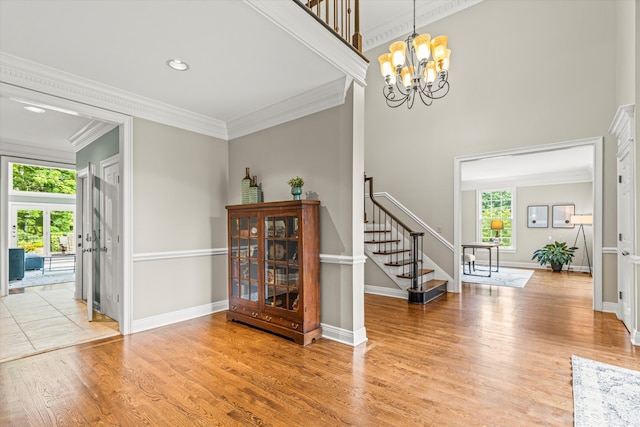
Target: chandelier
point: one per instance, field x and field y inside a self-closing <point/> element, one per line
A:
<point x="408" y="73"/>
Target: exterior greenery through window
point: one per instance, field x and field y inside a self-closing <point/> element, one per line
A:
<point x="30" y="223"/>
<point x="41" y="179"/>
<point x="496" y="205"/>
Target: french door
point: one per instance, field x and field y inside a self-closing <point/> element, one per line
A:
<point x="43" y="229"/>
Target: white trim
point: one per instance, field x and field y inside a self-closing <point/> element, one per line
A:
<point x="318" y="99"/>
<point x="610" y="250"/>
<point x="344" y="336"/>
<point x="89" y="133"/>
<point x="597" y="143"/>
<point x="342" y="259"/>
<point x="624" y="114"/>
<point x="19" y="149"/>
<point x="177" y="316"/>
<point x="156" y="256"/>
<point x="610" y="307"/>
<point x="635" y="259"/>
<point x="553" y="178"/>
<point x="291" y="18"/>
<point x="414" y="217"/>
<point x="37" y="77"/>
<point x="300" y="25"/>
<point x="635" y="337"/>
<point x="386" y="292"/>
<point x="4" y="228"/>
<point x="400" y="28"/>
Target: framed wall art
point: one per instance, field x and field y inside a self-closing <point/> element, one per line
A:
<point x="562" y="216"/>
<point x="538" y="216"/>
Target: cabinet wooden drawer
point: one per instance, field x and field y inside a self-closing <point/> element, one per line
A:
<point x="281" y="321"/>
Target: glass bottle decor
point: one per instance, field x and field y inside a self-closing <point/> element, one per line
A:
<point x="245" y="184"/>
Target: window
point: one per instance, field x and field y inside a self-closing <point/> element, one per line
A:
<point x="42" y="179"/>
<point x="497" y="205"/>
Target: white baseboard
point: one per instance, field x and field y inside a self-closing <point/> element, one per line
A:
<point x="344" y="336"/>
<point x="635" y="337"/>
<point x="387" y="292"/>
<point x="609" y="307"/>
<point x="165" y="319"/>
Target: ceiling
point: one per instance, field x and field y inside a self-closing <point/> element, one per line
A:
<point x="124" y="46"/>
<point x="240" y="61"/>
<point x="554" y="166"/>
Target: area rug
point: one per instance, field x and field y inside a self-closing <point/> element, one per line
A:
<point x="511" y="277"/>
<point x="36" y="278"/>
<point x="604" y="395"/>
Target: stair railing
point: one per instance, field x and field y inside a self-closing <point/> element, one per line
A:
<point x="383" y="225"/>
<point x="340" y="17"/>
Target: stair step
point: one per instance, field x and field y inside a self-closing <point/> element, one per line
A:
<point x="381" y="241"/>
<point x="400" y="263"/>
<point x="377" y="231"/>
<point x="398" y="251"/>
<point x="421" y="272"/>
<point x="429" y="291"/>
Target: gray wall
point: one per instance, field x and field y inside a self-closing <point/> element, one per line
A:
<point x="179" y="192"/>
<point x="100" y="149"/>
<point x="319" y="149"/>
<point x="530" y="239"/>
<point x="513" y="85"/>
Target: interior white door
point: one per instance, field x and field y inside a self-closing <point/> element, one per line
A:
<point x="109" y="236"/>
<point x="626" y="231"/>
<point x="88" y="260"/>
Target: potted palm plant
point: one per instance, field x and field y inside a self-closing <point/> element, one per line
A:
<point x="557" y="254"/>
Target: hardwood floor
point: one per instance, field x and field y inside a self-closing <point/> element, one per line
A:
<point x="488" y="356"/>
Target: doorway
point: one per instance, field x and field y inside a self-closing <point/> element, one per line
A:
<point x="124" y="124"/>
<point x="596" y="144"/>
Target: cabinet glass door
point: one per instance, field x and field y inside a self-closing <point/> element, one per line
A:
<point x="244" y="258"/>
<point x="281" y="262"/>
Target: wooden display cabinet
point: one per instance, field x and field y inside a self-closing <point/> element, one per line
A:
<point x="274" y="266"/>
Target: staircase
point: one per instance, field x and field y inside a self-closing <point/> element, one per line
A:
<point x="398" y="251"/>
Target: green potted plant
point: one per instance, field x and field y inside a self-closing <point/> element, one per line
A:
<point x="557" y="254"/>
<point x="296" y="187"/>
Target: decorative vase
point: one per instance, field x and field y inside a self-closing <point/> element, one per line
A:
<point x="245" y="184"/>
<point x="296" y="191"/>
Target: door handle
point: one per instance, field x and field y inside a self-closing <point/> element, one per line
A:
<point x="625" y="253"/>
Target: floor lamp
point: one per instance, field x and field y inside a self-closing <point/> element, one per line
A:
<point x="582" y="220"/>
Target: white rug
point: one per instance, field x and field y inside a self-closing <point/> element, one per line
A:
<point x="511" y="277"/>
<point x="604" y="395"/>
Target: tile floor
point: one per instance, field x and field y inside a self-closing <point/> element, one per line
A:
<point x="43" y="318"/>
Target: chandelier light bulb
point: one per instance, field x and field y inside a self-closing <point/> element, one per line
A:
<point x="417" y="67"/>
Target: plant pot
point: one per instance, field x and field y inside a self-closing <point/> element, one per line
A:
<point x="556" y="267"/>
<point x="296" y="191"/>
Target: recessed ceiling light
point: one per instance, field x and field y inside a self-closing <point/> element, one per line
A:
<point x="44" y="106"/>
<point x="35" y="110"/>
<point x="178" y="65"/>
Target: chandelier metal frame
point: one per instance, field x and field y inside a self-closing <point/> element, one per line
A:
<point x="397" y="93"/>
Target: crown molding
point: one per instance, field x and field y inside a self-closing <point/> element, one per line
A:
<point x="23" y="150"/>
<point x="624" y="114"/>
<point x="89" y="133"/>
<point x="321" y="98"/>
<point x="402" y="27"/>
<point x="30" y="75"/>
